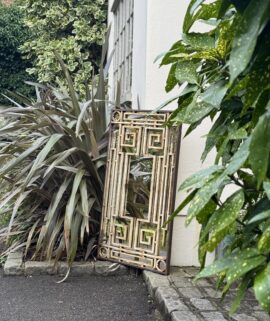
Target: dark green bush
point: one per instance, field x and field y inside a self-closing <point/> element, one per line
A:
<point x="226" y="74"/>
<point x="12" y="66"/>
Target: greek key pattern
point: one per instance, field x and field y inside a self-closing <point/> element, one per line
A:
<point x="138" y="197"/>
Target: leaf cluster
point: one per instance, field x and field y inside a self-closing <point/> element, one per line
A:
<point x="53" y="157"/>
<point x="13" y="67"/>
<point x="75" y="29"/>
<point x="225" y="73"/>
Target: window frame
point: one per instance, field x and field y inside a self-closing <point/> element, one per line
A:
<point x="123" y="11"/>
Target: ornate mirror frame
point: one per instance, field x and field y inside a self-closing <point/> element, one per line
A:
<point x="139" y="193"/>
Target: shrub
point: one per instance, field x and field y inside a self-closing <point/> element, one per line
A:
<point x="12" y="67"/>
<point x="52" y="161"/>
<point x="227" y="74"/>
<point x="75" y="29"/>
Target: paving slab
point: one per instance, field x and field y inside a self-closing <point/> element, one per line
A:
<point x="89" y="298"/>
<point x="179" y="298"/>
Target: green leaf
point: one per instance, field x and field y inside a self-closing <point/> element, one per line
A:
<point x="196" y="5"/>
<point x="30" y="236"/>
<point x="246" y="36"/>
<point x="260" y="148"/>
<point x="72" y="92"/>
<point x="262" y="205"/>
<point x="171" y="80"/>
<point x="215" y="93"/>
<point x="16" y="207"/>
<point x="225" y="4"/>
<point x="188" y="21"/>
<point x="70" y="208"/>
<point x="57" y="198"/>
<point x="203" y="216"/>
<point x="84" y="205"/>
<point x="61" y="157"/>
<point x="177" y="48"/>
<point x="223" y="218"/>
<point x="240" y="133"/>
<point x="53" y="238"/>
<point x="260" y="217"/>
<point x="186" y="71"/>
<point x="225" y="36"/>
<point x="185" y="202"/>
<point x="9" y="166"/>
<point x="203" y="196"/>
<point x="215" y="268"/>
<point x="198" y="179"/>
<point x="225" y="263"/>
<point x="260" y="77"/>
<point x="262" y="288"/>
<point x="196" y="110"/>
<point x="264" y="241"/>
<point x="261" y="106"/>
<point x="242" y="266"/>
<point x="205" y="12"/>
<point x="266" y="187"/>
<point x="240" y="294"/>
<point x="42" y="155"/>
<point x="199" y="40"/>
<point x="238" y="158"/>
<point x="74" y="238"/>
<point x="201" y="250"/>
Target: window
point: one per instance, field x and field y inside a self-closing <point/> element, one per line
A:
<point x="123" y="44"/>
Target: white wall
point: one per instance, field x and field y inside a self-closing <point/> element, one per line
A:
<point x="185" y="239"/>
<point x="164" y="25"/>
<point x="139" y="54"/>
<point x="157" y="25"/>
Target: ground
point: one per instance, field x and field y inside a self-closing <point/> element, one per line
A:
<point x="92" y="298"/>
<point x="181" y="299"/>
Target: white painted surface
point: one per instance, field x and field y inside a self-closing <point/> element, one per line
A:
<point x="139" y="54"/>
<point x="157" y="25"/>
<point x="164" y="25"/>
<point x="185" y="239"/>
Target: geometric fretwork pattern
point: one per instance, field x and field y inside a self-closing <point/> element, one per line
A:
<point x="139" y="190"/>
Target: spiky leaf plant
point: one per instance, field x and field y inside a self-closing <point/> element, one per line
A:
<point x="52" y="156"/>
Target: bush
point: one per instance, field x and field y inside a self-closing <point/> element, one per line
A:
<point x="12" y="67"/>
<point x="227" y="75"/>
<point x="74" y="29"/>
<point x="53" y="164"/>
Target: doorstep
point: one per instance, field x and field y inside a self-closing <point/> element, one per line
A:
<point x="178" y="298"/>
<point x="15" y="265"/>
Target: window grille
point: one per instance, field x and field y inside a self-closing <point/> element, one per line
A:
<point x="123" y="43"/>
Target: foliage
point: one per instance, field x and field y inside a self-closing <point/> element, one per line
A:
<point x="12" y="66"/>
<point x="226" y="72"/>
<point x="53" y="164"/>
<point x="74" y="29"/>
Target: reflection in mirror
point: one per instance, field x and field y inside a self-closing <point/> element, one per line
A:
<point x="139" y="186"/>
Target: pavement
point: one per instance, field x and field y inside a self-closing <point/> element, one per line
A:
<point x="180" y="299"/>
<point x="99" y="298"/>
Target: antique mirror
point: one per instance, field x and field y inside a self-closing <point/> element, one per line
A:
<point x="139" y="190"/>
